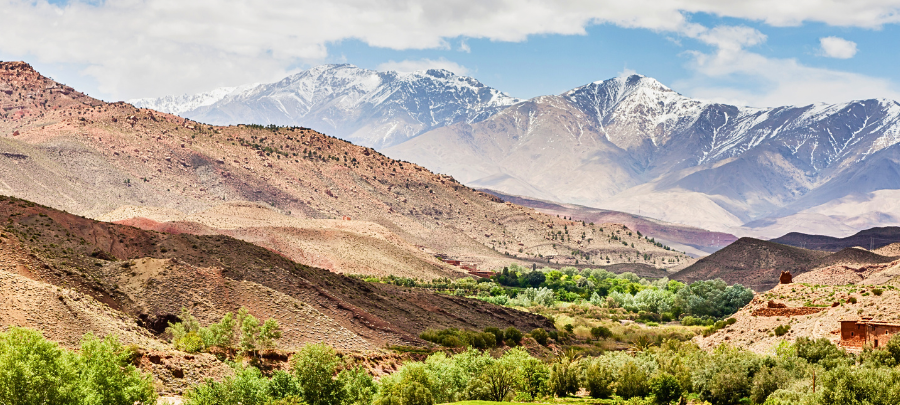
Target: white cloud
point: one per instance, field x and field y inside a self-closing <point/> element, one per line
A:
<point x="776" y="81"/>
<point x="142" y="48"/>
<point x="835" y="47"/>
<point x="423" y="64"/>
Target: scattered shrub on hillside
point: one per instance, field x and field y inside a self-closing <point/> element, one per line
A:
<point x="540" y="335"/>
<point x="513" y="336"/>
<point x="781" y="330"/>
<point x="851" y="300"/>
<point x="877" y="291"/>
<point x="246" y="331"/>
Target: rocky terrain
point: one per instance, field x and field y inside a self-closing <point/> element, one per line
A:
<point x="63" y="149"/>
<point x="71" y="274"/>
<point x="756" y="332"/>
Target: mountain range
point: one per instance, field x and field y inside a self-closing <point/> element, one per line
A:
<point x="628" y="144"/>
<point x="376" y="109"/>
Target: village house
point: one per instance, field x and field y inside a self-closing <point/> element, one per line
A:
<point x="857" y="333"/>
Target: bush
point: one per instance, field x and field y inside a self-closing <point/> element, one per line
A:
<point x="665" y="388"/>
<point x="633" y="381"/>
<point x="314" y="367"/>
<point x="359" y="387"/>
<point x="781" y="330"/>
<point x="498" y="334"/>
<point x="819" y="351"/>
<point x="452" y="337"/>
<point x="601" y="332"/>
<point x="535" y="376"/>
<point x="600" y="377"/>
<point x="851" y="300"/>
<point x="246" y="387"/>
<point x="877" y="291"/>
<point x="513" y="336"/>
<point x="540" y="335"/>
<point x="766" y="381"/>
<point x="564" y="375"/>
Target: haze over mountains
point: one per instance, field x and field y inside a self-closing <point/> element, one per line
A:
<point x="628" y="143"/>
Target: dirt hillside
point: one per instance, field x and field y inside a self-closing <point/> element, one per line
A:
<point x="146" y="277"/>
<point x="66" y="150"/>
<point x="751" y="262"/>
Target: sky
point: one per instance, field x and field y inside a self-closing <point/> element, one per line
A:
<point x="756" y="53"/>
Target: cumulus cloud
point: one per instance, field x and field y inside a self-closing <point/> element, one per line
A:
<point x="777" y="81"/>
<point x="142" y="48"/>
<point x="835" y="47"/>
<point x="410" y="65"/>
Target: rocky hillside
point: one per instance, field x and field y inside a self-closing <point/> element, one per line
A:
<point x="370" y="108"/>
<point x="319" y="200"/>
<point x="70" y="274"/>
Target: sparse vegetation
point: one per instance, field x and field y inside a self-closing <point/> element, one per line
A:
<point x="243" y="332"/>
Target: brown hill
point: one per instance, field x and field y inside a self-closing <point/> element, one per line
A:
<point x="756" y="331"/>
<point x="892" y="250"/>
<point x="69" y="151"/>
<point x="753" y="263"/>
<point x="146" y="277"/>
<point x="693" y="240"/>
<point x="872" y="238"/>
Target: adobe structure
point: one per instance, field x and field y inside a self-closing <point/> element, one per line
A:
<point x="857" y="333"/>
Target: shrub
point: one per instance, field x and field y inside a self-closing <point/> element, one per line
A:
<point x="600" y="377"/>
<point x="314" y="367"/>
<point x="877" y="291"/>
<point x="851" y="300"/>
<point x="564" y="375"/>
<point x="513" y="336"/>
<point x="781" y="330"/>
<point x="766" y="381"/>
<point x="540" y="335"/>
<point x="498" y="334"/>
<point x="819" y="351"/>
<point x="665" y="388"/>
<point x="601" y="332"/>
<point x="633" y="381"/>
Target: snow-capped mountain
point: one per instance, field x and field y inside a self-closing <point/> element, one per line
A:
<point x="632" y="144"/>
<point x="182" y="104"/>
<point x="628" y="143"/>
<point x="367" y="107"/>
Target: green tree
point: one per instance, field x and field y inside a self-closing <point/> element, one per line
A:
<point x="564" y="374"/>
<point x="359" y="387"/>
<point x="665" y="388"/>
<point x="34" y="370"/>
<point x="314" y="367"/>
<point x="107" y="376"/>
<point x="535" y="377"/>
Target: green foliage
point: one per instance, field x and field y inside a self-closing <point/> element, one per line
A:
<point x="36" y="371"/>
<point x="540" y="335"/>
<point x="600" y="377"/>
<point x="877" y="291"/>
<point x="766" y="381"/>
<point x="189" y="336"/>
<point x="820" y="351"/>
<point x="513" y="336"/>
<point x="246" y="387"/>
<point x="535" y="376"/>
<point x="359" y="387"/>
<point x="665" y="388"/>
<point x="601" y="332"/>
<point x="314" y="367"/>
<point x="564" y="375"/>
<point x="781" y="330"/>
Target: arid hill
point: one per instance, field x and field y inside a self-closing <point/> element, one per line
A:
<point x="692" y="240"/>
<point x="318" y="200"/>
<point x="61" y="267"/>
<point x="751" y="262"/>
<point x="873" y="238"/>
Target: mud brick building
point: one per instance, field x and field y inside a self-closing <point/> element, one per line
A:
<point x="857" y="333"/>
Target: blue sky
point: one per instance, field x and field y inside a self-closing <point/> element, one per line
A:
<point x="759" y="53"/>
